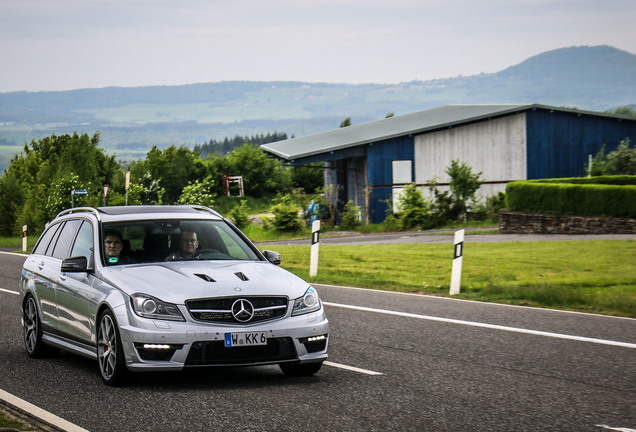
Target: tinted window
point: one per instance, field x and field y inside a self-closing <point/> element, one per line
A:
<point x="49" y="249"/>
<point x="84" y="242"/>
<point x="45" y="239"/>
<point x="66" y="237"/>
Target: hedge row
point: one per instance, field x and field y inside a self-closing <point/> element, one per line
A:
<point x="614" y="197"/>
<point x="619" y="180"/>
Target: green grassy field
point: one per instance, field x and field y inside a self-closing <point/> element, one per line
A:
<point x="597" y="276"/>
<point x="589" y="276"/>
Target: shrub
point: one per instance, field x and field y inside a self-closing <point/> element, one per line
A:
<point x="351" y="216"/>
<point x="239" y="215"/>
<point x="414" y="209"/>
<point x="572" y="199"/>
<point x="286" y="214"/>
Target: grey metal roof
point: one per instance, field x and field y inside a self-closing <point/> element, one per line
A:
<point x="379" y="130"/>
<point x="415" y="123"/>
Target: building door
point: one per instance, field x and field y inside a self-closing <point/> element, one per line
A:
<point x="402" y="174"/>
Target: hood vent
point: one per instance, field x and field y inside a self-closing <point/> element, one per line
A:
<point x="241" y="276"/>
<point x="205" y="277"/>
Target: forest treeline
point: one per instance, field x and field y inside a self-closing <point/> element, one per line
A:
<point x="38" y="182"/>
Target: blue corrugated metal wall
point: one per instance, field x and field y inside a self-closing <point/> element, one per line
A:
<point x="380" y="155"/>
<point x="559" y="143"/>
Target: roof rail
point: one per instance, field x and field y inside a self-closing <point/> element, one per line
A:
<point x="207" y="209"/>
<point x="80" y="209"/>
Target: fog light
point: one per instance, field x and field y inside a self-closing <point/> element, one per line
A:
<point x="156" y="346"/>
<point x="315" y="343"/>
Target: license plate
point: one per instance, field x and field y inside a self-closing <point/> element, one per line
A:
<point x="245" y="339"/>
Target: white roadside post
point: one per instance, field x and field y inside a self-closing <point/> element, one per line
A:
<point x="127" y="185"/>
<point x="456" y="273"/>
<point x="105" y="193"/>
<point x="24" y="238"/>
<point x="315" y="243"/>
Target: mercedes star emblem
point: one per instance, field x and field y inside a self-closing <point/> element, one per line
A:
<point x="242" y="310"/>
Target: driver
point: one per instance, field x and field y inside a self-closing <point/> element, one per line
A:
<point x="188" y="245"/>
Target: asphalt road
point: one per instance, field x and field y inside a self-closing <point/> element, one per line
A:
<point x="422" y="364"/>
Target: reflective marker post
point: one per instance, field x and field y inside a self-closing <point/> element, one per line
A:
<point x="105" y="193"/>
<point x="456" y="273"/>
<point x="315" y="243"/>
<point x="127" y="185"/>
<point x="24" y="238"/>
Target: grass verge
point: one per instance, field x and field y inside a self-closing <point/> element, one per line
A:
<point x="597" y="276"/>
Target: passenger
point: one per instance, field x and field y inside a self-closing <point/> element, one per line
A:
<point x="188" y="246"/>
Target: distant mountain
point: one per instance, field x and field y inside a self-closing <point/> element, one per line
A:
<point x="132" y="120"/>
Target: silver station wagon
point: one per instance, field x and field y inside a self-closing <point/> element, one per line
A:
<point x="157" y="288"/>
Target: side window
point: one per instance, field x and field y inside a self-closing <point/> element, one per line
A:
<point x="66" y="237"/>
<point x="84" y="242"/>
<point x="45" y="239"/>
<point x="49" y="250"/>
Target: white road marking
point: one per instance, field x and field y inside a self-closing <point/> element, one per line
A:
<point x="620" y="429"/>
<point x="15" y="254"/>
<point x="352" y="368"/>
<point x="483" y="325"/>
<point x="38" y="412"/>
<point x="9" y="291"/>
<point x="452" y="299"/>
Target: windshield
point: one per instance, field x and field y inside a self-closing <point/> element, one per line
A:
<point x="144" y="241"/>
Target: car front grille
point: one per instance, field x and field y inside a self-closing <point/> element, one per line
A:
<point x="219" y="310"/>
<point x="216" y="353"/>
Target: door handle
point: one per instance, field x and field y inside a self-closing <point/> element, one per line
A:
<point x="63" y="276"/>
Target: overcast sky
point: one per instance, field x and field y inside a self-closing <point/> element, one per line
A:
<point x="71" y="44"/>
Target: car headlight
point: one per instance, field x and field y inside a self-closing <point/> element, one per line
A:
<point x="309" y="302"/>
<point x="149" y="307"/>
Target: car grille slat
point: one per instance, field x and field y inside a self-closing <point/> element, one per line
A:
<point x="216" y="353"/>
<point x="219" y="310"/>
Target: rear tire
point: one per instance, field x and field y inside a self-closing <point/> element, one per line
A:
<point x="300" y="369"/>
<point x="110" y="353"/>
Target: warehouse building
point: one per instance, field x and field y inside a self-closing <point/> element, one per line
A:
<point x="370" y="163"/>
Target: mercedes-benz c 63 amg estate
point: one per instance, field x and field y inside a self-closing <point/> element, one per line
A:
<point x="157" y="288"/>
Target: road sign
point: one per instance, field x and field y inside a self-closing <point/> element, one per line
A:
<point x="80" y="192"/>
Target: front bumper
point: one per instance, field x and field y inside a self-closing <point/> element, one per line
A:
<point x="154" y="345"/>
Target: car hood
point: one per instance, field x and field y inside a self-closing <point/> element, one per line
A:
<point x="177" y="281"/>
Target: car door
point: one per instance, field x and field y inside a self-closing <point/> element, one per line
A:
<point x="44" y="269"/>
<point x="74" y="293"/>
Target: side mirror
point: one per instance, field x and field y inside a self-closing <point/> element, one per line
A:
<point x="271" y="256"/>
<point x="75" y="265"/>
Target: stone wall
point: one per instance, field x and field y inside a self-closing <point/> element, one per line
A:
<point x="536" y="223"/>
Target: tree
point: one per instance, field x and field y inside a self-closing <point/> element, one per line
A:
<point x="623" y="110"/>
<point x="38" y="182"/>
<point x="622" y="161"/>
<point x="262" y="174"/>
<point x="174" y="168"/>
<point x="346" y="122"/>
<point x="308" y="177"/>
<point x="463" y="185"/>
<point x="198" y="193"/>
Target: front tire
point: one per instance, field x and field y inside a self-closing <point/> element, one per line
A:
<point x="110" y="353"/>
<point x="32" y="329"/>
<point x="300" y="369"/>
